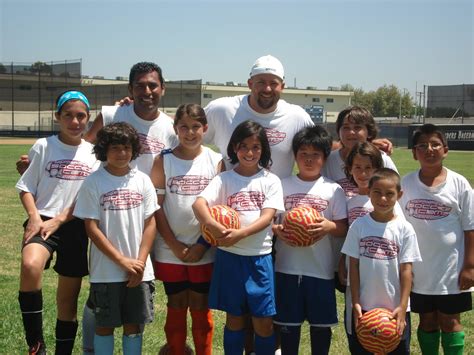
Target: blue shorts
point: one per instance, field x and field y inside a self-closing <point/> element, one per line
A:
<point x="243" y="284"/>
<point x="301" y="298"/>
<point x="447" y="304"/>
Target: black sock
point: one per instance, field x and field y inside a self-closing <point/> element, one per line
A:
<point x="65" y="336"/>
<point x="31" y="305"/>
<point x="290" y="339"/>
<point x="320" y="340"/>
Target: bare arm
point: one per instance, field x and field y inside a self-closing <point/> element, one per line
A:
<point x="131" y="266"/>
<point x="354" y="278"/>
<point x="91" y="134"/>
<point x="466" y="276"/>
<point x="323" y="226"/>
<point x="201" y="211"/>
<point x="34" y="219"/>
<point x="399" y="312"/>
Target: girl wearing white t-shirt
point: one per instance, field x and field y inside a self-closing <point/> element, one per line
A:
<point x="242" y="280"/>
<point x="48" y="188"/>
<point x="182" y="258"/>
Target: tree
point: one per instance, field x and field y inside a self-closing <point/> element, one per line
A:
<point x="3" y="70"/>
<point x="41" y="67"/>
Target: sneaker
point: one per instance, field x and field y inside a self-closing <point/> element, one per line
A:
<point x="165" y="350"/>
<point x="38" y="349"/>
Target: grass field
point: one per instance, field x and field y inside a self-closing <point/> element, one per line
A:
<point x="12" y="217"/>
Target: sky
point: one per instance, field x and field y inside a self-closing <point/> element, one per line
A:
<point x="368" y="44"/>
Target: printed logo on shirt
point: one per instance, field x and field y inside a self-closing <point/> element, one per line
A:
<point x="378" y="248"/>
<point x="187" y="184"/>
<point x="349" y="188"/>
<point x="150" y="145"/>
<point x="274" y="136"/>
<point x="427" y="209"/>
<point x="123" y="199"/>
<point x="357" y="212"/>
<point x="246" y="201"/>
<point x="300" y="199"/>
<point x="68" y="169"/>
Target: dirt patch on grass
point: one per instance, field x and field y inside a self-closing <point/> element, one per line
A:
<point x="4" y="140"/>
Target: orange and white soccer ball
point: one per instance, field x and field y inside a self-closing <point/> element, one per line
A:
<point x="296" y="224"/>
<point x="377" y="331"/>
<point x="226" y="216"/>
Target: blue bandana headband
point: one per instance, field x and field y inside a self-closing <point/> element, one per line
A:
<point x="72" y="95"/>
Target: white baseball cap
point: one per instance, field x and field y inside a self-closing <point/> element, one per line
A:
<point x="268" y="64"/>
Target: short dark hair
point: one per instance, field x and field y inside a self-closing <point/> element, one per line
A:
<point x="386" y="174"/>
<point x="116" y="133"/>
<point x="315" y="136"/>
<point x="244" y="130"/>
<point x="194" y="111"/>
<point x="359" y="115"/>
<point x="428" y="128"/>
<point x="144" y="68"/>
<point x="365" y="149"/>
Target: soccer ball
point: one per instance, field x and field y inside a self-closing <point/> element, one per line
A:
<point x="377" y="331"/>
<point x="226" y="216"/>
<point x="296" y="224"/>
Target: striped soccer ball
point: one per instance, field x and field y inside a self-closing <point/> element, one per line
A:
<point x="296" y="224"/>
<point x="226" y="216"/>
<point x="377" y="331"/>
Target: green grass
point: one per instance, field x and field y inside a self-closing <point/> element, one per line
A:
<point x="12" y="217"/>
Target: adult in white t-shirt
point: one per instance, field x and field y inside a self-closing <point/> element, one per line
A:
<point x="263" y="105"/>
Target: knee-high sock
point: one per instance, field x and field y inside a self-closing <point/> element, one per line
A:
<point x="31" y="305"/>
<point x="132" y="344"/>
<point x="65" y="336"/>
<point x="429" y="341"/>
<point x="176" y="329"/>
<point x="453" y="343"/>
<point x="290" y="339"/>
<point x="320" y="340"/>
<point x="202" y="328"/>
<point x="233" y="341"/>
<point x="88" y="329"/>
<point x="104" y="344"/>
<point x="265" y="345"/>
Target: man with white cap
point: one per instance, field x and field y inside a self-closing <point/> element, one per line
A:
<point x="264" y="106"/>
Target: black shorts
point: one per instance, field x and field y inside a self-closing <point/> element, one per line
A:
<point x="447" y="304"/>
<point x="70" y="244"/>
<point x="172" y="288"/>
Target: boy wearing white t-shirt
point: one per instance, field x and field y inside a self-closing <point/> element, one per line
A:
<point x="304" y="276"/>
<point x="439" y="203"/>
<point x="118" y="205"/>
<point x="382" y="247"/>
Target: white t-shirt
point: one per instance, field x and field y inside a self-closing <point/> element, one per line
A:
<point x="120" y="204"/>
<point x="56" y="172"/>
<point x="248" y="195"/>
<point x="154" y="135"/>
<point x="334" y="169"/>
<point x="440" y="215"/>
<point x="224" y="114"/>
<point x="327" y="198"/>
<point x="381" y="248"/>
<point x="185" y="179"/>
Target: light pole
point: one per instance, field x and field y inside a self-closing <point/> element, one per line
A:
<point x="400" y="112"/>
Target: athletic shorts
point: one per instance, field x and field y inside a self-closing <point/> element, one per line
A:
<point x="70" y="244"/>
<point x="300" y="298"/>
<point x="402" y="349"/>
<point x="447" y="304"/>
<point x="178" y="277"/>
<point x="243" y="284"/>
<point x="115" y="304"/>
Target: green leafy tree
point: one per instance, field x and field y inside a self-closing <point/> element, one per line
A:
<point x="41" y="67"/>
<point x="3" y="70"/>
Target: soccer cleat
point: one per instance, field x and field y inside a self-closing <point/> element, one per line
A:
<point x="38" y="349"/>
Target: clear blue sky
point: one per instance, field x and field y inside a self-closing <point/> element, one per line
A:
<point x="321" y="43"/>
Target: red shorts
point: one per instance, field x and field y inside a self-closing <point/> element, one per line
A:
<point x="177" y="272"/>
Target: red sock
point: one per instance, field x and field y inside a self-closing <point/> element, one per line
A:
<point x="203" y="329"/>
<point x="175" y="329"/>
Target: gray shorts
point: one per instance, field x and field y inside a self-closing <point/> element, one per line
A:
<point x="115" y="304"/>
